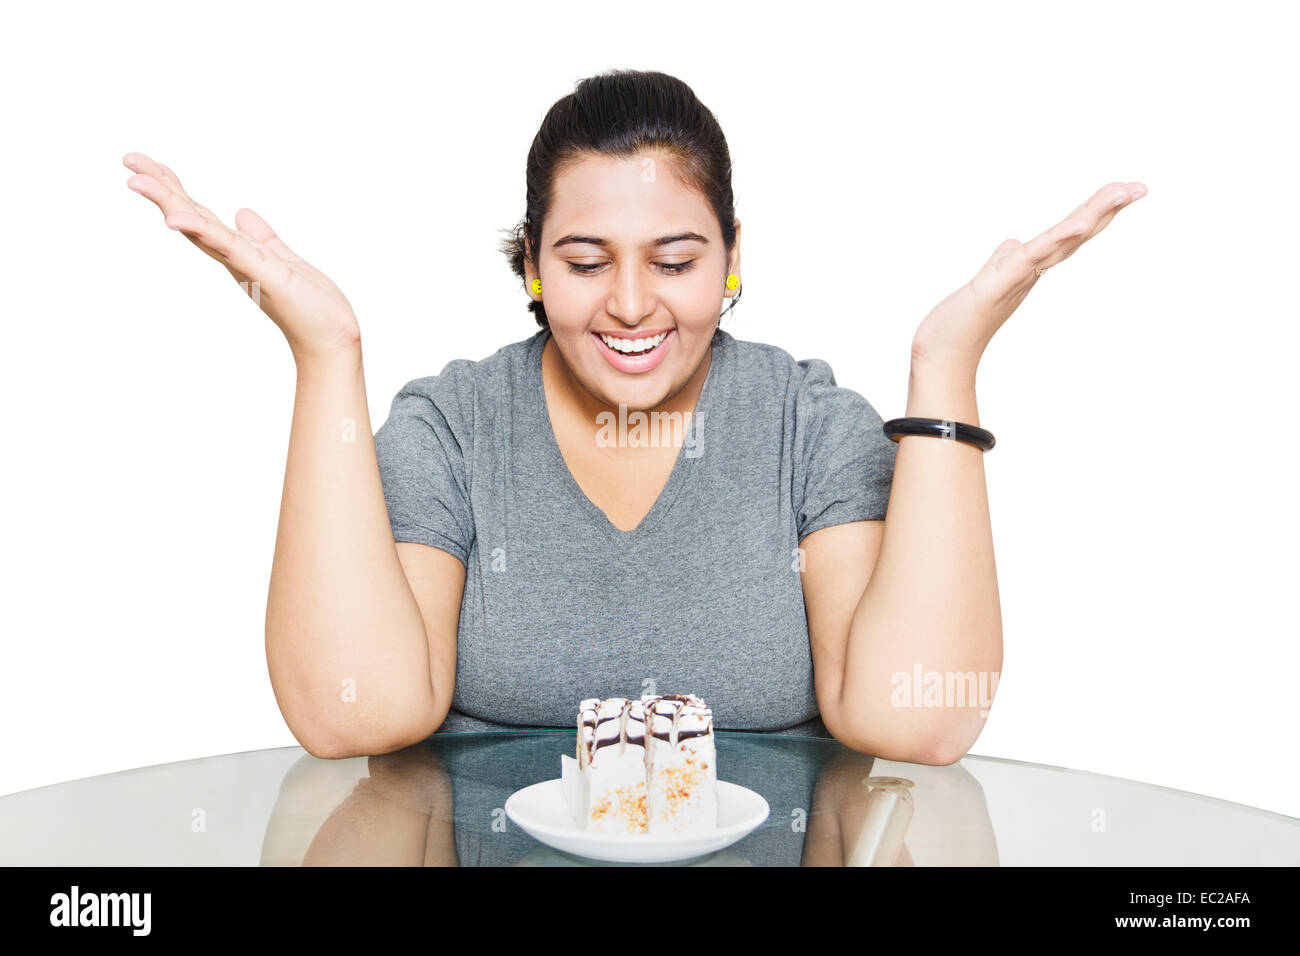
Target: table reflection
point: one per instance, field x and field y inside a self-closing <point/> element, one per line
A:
<point x="441" y="803"/>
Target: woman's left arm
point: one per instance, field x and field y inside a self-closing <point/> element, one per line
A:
<point x="904" y="618"/>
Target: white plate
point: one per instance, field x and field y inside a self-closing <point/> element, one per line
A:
<point x="540" y="811"/>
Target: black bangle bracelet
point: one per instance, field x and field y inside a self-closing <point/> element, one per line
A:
<point x="940" y="428"/>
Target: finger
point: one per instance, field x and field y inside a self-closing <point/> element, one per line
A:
<point x="142" y="164"/>
<point x="195" y="227"/>
<point x="255" y="226"/>
<point x="1101" y="206"/>
<point x="162" y="195"/>
<point x="1110" y="197"/>
<point x="168" y="183"/>
<point x="252" y="225"/>
<point x="170" y="179"/>
<point x="240" y="253"/>
<point x="168" y="200"/>
<point x="178" y="212"/>
<point x="1064" y="239"/>
<point x="173" y="178"/>
<point x="1100" y="217"/>
<point x="1093" y="215"/>
<point x="1045" y="251"/>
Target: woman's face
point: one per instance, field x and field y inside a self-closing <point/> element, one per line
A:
<point x="630" y="251"/>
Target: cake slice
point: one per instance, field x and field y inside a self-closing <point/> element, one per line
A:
<point x="682" y="779"/>
<point x="646" y="766"/>
<point x="612" y="760"/>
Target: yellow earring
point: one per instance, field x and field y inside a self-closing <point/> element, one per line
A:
<point x="537" y="287"/>
<point x="733" y="281"/>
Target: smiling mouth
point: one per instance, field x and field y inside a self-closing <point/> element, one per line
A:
<point x="641" y="346"/>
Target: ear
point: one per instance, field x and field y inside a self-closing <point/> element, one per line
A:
<point x="733" y="262"/>
<point x="530" y="272"/>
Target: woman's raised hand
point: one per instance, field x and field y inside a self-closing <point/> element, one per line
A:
<point x="953" y="336"/>
<point x="310" y="310"/>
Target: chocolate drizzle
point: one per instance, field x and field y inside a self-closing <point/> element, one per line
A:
<point x="638" y="722"/>
<point x="588" y="717"/>
<point x="678" y="703"/>
<point x="634" y="724"/>
<point x="631" y="725"/>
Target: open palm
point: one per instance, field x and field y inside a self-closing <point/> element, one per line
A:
<point x="314" y="315"/>
<point x="957" y="330"/>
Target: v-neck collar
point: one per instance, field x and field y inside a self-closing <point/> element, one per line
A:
<point x="681" y="467"/>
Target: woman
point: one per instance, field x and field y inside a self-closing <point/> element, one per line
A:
<point x="516" y="537"/>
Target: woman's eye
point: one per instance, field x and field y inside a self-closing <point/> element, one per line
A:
<point x="669" y="268"/>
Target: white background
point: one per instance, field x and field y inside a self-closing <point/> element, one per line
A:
<point x="1143" y="486"/>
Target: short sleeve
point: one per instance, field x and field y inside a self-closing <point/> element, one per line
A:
<point x="424" y="452"/>
<point x="844" y="462"/>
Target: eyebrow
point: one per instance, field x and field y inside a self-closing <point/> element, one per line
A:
<point x="604" y="243"/>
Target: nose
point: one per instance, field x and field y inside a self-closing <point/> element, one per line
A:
<point x="631" y="298"/>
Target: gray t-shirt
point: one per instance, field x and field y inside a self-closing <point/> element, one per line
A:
<point x="703" y="596"/>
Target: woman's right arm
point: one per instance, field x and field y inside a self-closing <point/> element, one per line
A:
<point x="360" y="631"/>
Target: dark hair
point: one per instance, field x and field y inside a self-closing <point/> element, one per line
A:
<point x="621" y="113"/>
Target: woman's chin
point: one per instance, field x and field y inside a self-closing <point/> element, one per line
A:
<point x="644" y="396"/>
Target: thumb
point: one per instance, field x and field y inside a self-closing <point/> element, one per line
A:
<point x="254" y="225"/>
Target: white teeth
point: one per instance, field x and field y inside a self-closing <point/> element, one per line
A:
<point x="633" y="345"/>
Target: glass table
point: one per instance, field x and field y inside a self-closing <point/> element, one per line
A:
<point x="441" y="802"/>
